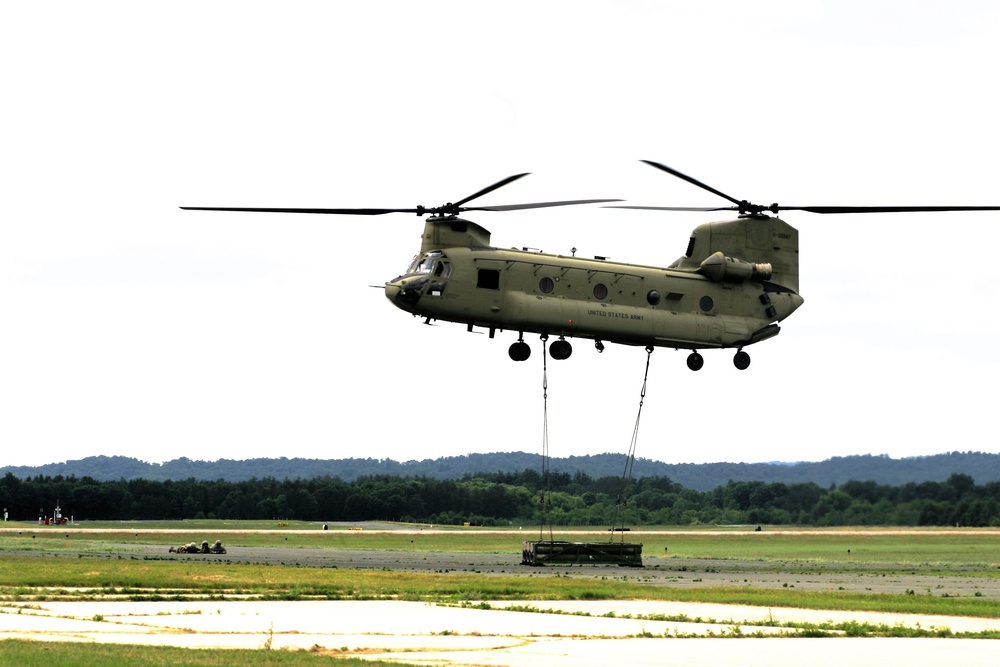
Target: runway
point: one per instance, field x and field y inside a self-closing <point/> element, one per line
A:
<point x="584" y="634"/>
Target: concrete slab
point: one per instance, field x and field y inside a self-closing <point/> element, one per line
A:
<point x="425" y="633"/>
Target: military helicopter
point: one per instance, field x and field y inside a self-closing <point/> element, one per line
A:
<point x="736" y="281"/>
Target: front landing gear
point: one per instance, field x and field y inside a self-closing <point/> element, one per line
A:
<point x="695" y="361"/>
<point x="519" y="351"/>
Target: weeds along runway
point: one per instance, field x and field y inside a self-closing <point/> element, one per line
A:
<point x="659" y="570"/>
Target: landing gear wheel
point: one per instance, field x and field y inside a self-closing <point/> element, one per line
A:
<point x="695" y="361"/>
<point x="741" y="360"/>
<point x="519" y="351"/>
<point x="561" y="349"/>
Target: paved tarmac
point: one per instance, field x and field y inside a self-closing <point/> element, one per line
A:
<point x="431" y="634"/>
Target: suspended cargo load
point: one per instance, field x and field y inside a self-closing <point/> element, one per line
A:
<point x="542" y="552"/>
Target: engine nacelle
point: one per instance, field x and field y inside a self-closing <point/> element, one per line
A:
<point x="719" y="268"/>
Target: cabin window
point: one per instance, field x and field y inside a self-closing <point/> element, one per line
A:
<point x="546" y="284"/>
<point x="488" y="279"/>
<point x="706" y="303"/>
<point x="653" y="297"/>
<point x="600" y="291"/>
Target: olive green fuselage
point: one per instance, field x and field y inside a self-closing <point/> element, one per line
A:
<point x="692" y="305"/>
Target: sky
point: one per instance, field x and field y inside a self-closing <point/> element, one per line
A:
<point x="129" y="327"/>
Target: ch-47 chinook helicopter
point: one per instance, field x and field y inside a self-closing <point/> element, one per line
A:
<point x="736" y="281"/>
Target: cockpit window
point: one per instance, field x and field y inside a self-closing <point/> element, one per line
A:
<point x="425" y="263"/>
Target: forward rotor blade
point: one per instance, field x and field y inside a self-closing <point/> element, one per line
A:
<point x="454" y="209"/>
<point x="544" y="204"/>
<point x="447" y="209"/>
<point x="692" y="181"/>
<point x="327" y="211"/>
<point x="500" y="184"/>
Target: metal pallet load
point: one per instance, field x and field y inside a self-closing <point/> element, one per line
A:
<point x="542" y="552"/>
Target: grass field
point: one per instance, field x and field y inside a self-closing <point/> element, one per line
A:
<point x="105" y="561"/>
<point x="947" y="547"/>
<point x="65" y="654"/>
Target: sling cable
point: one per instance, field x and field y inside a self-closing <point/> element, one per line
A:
<point x="542" y="551"/>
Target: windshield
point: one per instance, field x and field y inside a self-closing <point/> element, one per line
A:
<point x="425" y="263"/>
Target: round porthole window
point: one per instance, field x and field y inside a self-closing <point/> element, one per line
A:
<point x="706" y="303"/>
<point x="546" y="285"/>
<point x="653" y="297"/>
<point x="600" y="291"/>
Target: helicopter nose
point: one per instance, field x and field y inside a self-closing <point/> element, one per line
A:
<point x="394" y="292"/>
<point x="403" y="294"/>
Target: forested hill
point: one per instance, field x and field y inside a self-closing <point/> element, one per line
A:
<point x="982" y="467"/>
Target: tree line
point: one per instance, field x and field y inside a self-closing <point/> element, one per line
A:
<point x="504" y="498"/>
<point x="983" y="467"/>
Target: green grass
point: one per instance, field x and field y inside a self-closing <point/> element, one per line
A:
<point x="111" y="567"/>
<point x="917" y="547"/>
<point x="948" y="553"/>
<point x="75" y="654"/>
<point x="32" y="578"/>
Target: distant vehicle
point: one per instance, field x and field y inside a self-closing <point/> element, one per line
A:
<point x="57" y="519"/>
<point x="194" y="548"/>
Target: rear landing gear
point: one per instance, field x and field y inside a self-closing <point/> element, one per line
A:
<point x="695" y="361"/>
<point x="741" y="360"/>
<point x="561" y="349"/>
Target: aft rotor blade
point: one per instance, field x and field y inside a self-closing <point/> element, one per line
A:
<point x="677" y="208"/>
<point x="327" y="211"/>
<point x="745" y="207"/>
<point x="886" y="209"/>
<point x="544" y="204"/>
<point x="692" y="181"/>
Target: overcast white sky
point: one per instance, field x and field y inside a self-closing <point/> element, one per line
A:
<point x="130" y="327"/>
